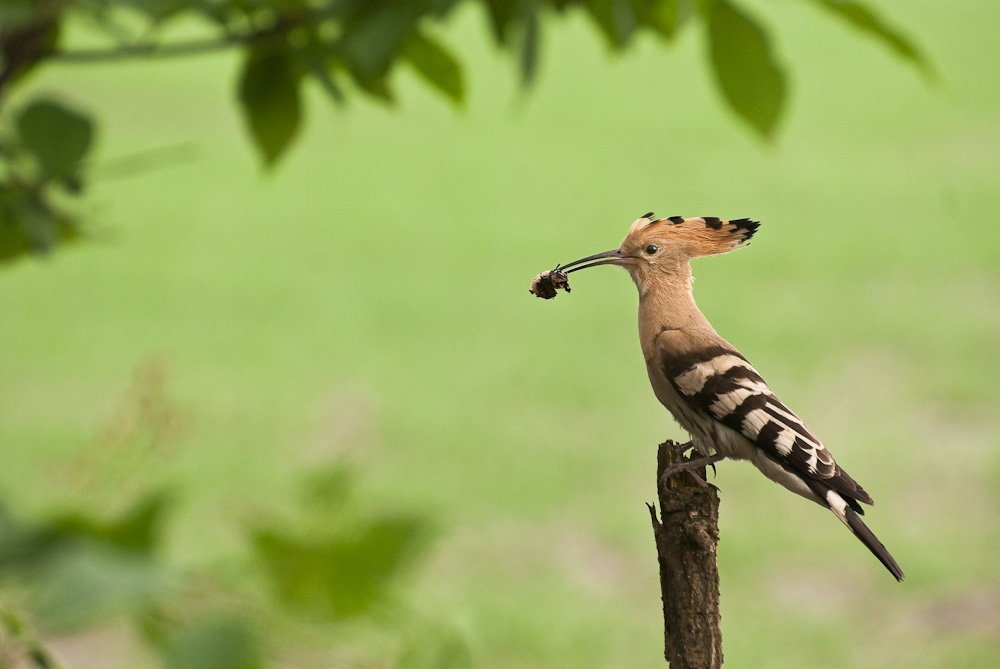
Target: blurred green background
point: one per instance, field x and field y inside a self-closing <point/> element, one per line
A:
<point x="367" y="303"/>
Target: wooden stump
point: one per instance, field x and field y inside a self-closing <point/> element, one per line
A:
<point x="686" y="537"/>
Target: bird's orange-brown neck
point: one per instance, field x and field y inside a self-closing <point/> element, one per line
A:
<point x="666" y="303"/>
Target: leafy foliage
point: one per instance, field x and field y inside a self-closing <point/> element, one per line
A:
<point x="338" y="44"/>
<point x="269" y="97"/>
<point x="56" y="137"/>
<point x="218" y="642"/>
<point x="340" y="577"/>
<point x="86" y="569"/>
<point x="436" y="65"/>
<point x="752" y="82"/>
<point x="866" y="21"/>
<point x="42" y="159"/>
<point x="339" y="563"/>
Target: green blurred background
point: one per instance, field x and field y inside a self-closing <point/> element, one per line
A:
<point x="367" y="302"/>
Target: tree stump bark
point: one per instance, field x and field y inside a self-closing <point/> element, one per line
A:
<point x="686" y="540"/>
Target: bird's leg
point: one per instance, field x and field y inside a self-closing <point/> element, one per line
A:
<point x="681" y="449"/>
<point x="690" y="466"/>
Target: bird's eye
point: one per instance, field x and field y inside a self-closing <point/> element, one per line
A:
<point x="651" y="249"/>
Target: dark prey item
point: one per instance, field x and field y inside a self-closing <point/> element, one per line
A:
<point x="546" y="284"/>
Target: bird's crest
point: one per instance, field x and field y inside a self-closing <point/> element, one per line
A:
<point x="700" y="236"/>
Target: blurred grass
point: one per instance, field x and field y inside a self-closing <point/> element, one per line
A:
<point x="369" y="300"/>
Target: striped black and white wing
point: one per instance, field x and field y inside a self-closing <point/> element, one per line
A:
<point x="719" y="382"/>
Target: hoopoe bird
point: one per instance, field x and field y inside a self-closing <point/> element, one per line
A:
<point x="711" y="390"/>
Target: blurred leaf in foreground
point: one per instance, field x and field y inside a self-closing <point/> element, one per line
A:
<point x="215" y="643"/>
<point x="58" y="137"/>
<point x="87" y="583"/>
<point x="82" y="570"/>
<point x="28" y="546"/>
<point x="42" y="159"/>
<point x="866" y="21"/>
<point x="137" y="529"/>
<point x="749" y="76"/>
<point x="289" y="41"/>
<point x="343" y="576"/>
<point x="269" y="96"/>
<point x="29" y="223"/>
<point x="433" y="62"/>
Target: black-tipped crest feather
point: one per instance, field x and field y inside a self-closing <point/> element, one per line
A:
<point x="747" y="226"/>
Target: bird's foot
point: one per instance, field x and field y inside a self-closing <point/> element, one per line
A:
<point x="681" y="449"/>
<point x="690" y="466"/>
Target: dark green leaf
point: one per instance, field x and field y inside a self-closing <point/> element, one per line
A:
<point x="84" y="572"/>
<point x="615" y="18"/>
<point x="868" y="22"/>
<point x="56" y="136"/>
<point x="24" y="546"/>
<point x="378" y="88"/>
<point x="85" y="583"/>
<point x="371" y="43"/>
<point x="516" y="26"/>
<point x="220" y="643"/>
<point x="28" y="224"/>
<point x="438" y="67"/>
<point x="502" y="15"/>
<point x="136" y="530"/>
<point x="313" y="55"/>
<point x="342" y="577"/>
<point x="14" y="242"/>
<point x="663" y="16"/>
<point x="750" y="78"/>
<point x="269" y="95"/>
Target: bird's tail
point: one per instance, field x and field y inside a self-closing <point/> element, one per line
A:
<point x="853" y="521"/>
<point x="868" y="538"/>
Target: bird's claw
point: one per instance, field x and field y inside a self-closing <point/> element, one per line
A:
<point x="691" y="467"/>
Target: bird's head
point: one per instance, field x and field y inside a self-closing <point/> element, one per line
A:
<point x="657" y="248"/>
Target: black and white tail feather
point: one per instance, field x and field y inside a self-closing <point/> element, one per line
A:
<point x="719" y="382"/>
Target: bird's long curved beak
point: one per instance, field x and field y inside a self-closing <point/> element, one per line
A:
<point x="614" y="257"/>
